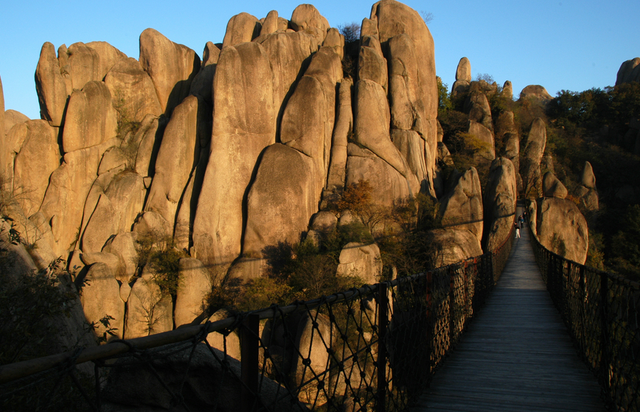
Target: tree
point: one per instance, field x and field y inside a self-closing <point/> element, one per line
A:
<point x="351" y="32"/>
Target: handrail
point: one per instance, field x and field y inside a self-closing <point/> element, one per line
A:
<point x="602" y="313"/>
<point x="426" y="314"/>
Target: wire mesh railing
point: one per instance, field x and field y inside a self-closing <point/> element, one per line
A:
<point x="601" y="311"/>
<point x="373" y="348"/>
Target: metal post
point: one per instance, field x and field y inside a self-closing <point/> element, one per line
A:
<point x="249" y="361"/>
<point x="382" y="350"/>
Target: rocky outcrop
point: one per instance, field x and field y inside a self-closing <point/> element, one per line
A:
<point x="500" y="198"/>
<point x="561" y="228"/>
<point x="536" y="93"/>
<point x="587" y="191"/>
<point x="461" y="208"/>
<point x="629" y="71"/>
<point x="149" y="310"/>
<point x="530" y="162"/>
<point x="552" y="187"/>
<point x="463" y="78"/>
<point x="362" y="261"/>
<point x="241" y="28"/>
<point x="452" y="246"/>
<point x="194" y="286"/>
<point x="171" y="67"/>
<point x="100" y="299"/>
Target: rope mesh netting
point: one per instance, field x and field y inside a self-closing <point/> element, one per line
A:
<point x="373" y="348"/>
<point x="601" y="312"/>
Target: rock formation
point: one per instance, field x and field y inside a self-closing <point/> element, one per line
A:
<point x="500" y="198"/>
<point x="530" y="162"/>
<point x="629" y="71"/>
<point x="587" y="191"/>
<point x="463" y="78"/>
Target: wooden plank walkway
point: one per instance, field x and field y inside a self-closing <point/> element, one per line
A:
<point x="516" y="355"/>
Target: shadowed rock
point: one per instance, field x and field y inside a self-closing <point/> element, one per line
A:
<point x="500" y="198"/>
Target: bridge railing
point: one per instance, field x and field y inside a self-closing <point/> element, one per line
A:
<point x="602" y="313"/>
<point x="370" y="348"/>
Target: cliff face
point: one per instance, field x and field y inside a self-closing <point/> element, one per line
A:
<point x="225" y="156"/>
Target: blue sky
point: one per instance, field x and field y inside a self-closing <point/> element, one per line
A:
<point x="562" y="44"/>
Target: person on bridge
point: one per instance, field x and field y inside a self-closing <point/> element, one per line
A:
<point x="517" y="232"/>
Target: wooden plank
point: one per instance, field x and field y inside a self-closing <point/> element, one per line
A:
<point x="516" y="354"/>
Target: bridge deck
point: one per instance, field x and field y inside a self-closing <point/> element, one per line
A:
<point x="516" y="354"/>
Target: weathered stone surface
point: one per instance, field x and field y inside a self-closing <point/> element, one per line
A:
<point x="387" y="184"/>
<point x="507" y="90"/>
<point x="100" y="297"/>
<point x="343" y="126"/>
<point x="114" y="159"/>
<point x="334" y="40"/>
<point x="38" y="157"/>
<point x="484" y="136"/>
<point x="361" y="261"/>
<point x="530" y="162"/>
<point x="507" y="133"/>
<point x="588" y="177"/>
<point x="477" y="106"/>
<point x="371" y="63"/>
<point x="12" y="117"/>
<point x="217" y="340"/>
<point x="108" y="57"/>
<point x="69" y="185"/>
<point x="194" y="285"/>
<point x="307" y="18"/>
<point x="171" y="66"/>
<point x="141" y="148"/>
<point x="123" y="246"/>
<point x="463" y="72"/>
<point x="324" y="221"/>
<point x="241" y="28"/>
<point x="452" y="246"/>
<point x="149" y="311"/>
<point x="286" y="53"/>
<point x="284" y="173"/>
<point x="38" y="234"/>
<point x="132" y="91"/>
<point x="109" y="259"/>
<point x="90" y="119"/>
<point x="177" y="158"/>
<point x="629" y="71"/>
<point x="152" y="226"/>
<point x="552" y="187"/>
<point x="371" y="128"/>
<point x="313" y="337"/>
<point x="82" y="63"/>
<point x="562" y="229"/>
<point x="202" y="84"/>
<point x="270" y="23"/>
<point x="415" y="52"/>
<point x="535" y="92"/>
<point x="51" y="86"/>
<point x="500" y="196"/>
<point x="100" y="227"/>
<point x="412" y="147"/>
<point x="242" y="128"/>
<point x="461" y="208"/>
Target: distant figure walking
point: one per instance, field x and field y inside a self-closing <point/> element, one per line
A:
<point x="517" y="232"/>
<point x="521" y="220"/>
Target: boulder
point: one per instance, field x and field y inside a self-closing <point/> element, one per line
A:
<point x="194" y="286"/>
<point x="284" y="173"/>
<point x="90" y="119"/>
<point x="132" y="91"/>
<point x="335" y="40"/>
<point x="362" y="261"/>
<point x="108" y="56"/>
<point x="587" y="191"/>
<point x="588" y="179"/>
<point x="324" y="222"/>
<point x="100" y="297"/>
<point x="343" y="126"/>
<point x="202" y="85"/>
<point x="530" y="162"/>
<point x="507" y="90"/>
<point x="486" y="149"/>
<point x="452" y="246"/>
<point x="171" y="66"/>
<point x="561" y="228"/>
<point x="461" y="208"/>
<point x="463" y="71"/>
<point x="241" y="28"/>
<point x="536" y="93"/>
<point x="500" y="197"/>
<point x="270" y="23"/>
<point x="37" y="158"/>
<point x="307" y="18"/>
<point x="141" y="148"/>
<point x="149" y="310"/>
<point x="371" y="63"/>
<point x="477" y="106"/>
<point x="229" y="344"/>
<point x="177" y="157"/>
<point x="11" y="117"/>
<point x="552" y="187"/>
<point x="51" y="86"/>
<point x="123" y="246"/>
<point x="629" y="71"/>
<point x="242" y="128"/>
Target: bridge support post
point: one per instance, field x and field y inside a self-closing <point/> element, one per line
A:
<point x="249" y="364"/>
<point x="382" y="350"/>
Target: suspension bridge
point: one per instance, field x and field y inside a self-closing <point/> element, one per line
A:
<point x="519" y="328"/>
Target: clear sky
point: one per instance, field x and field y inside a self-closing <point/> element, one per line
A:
<point x="559" y="44"/>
